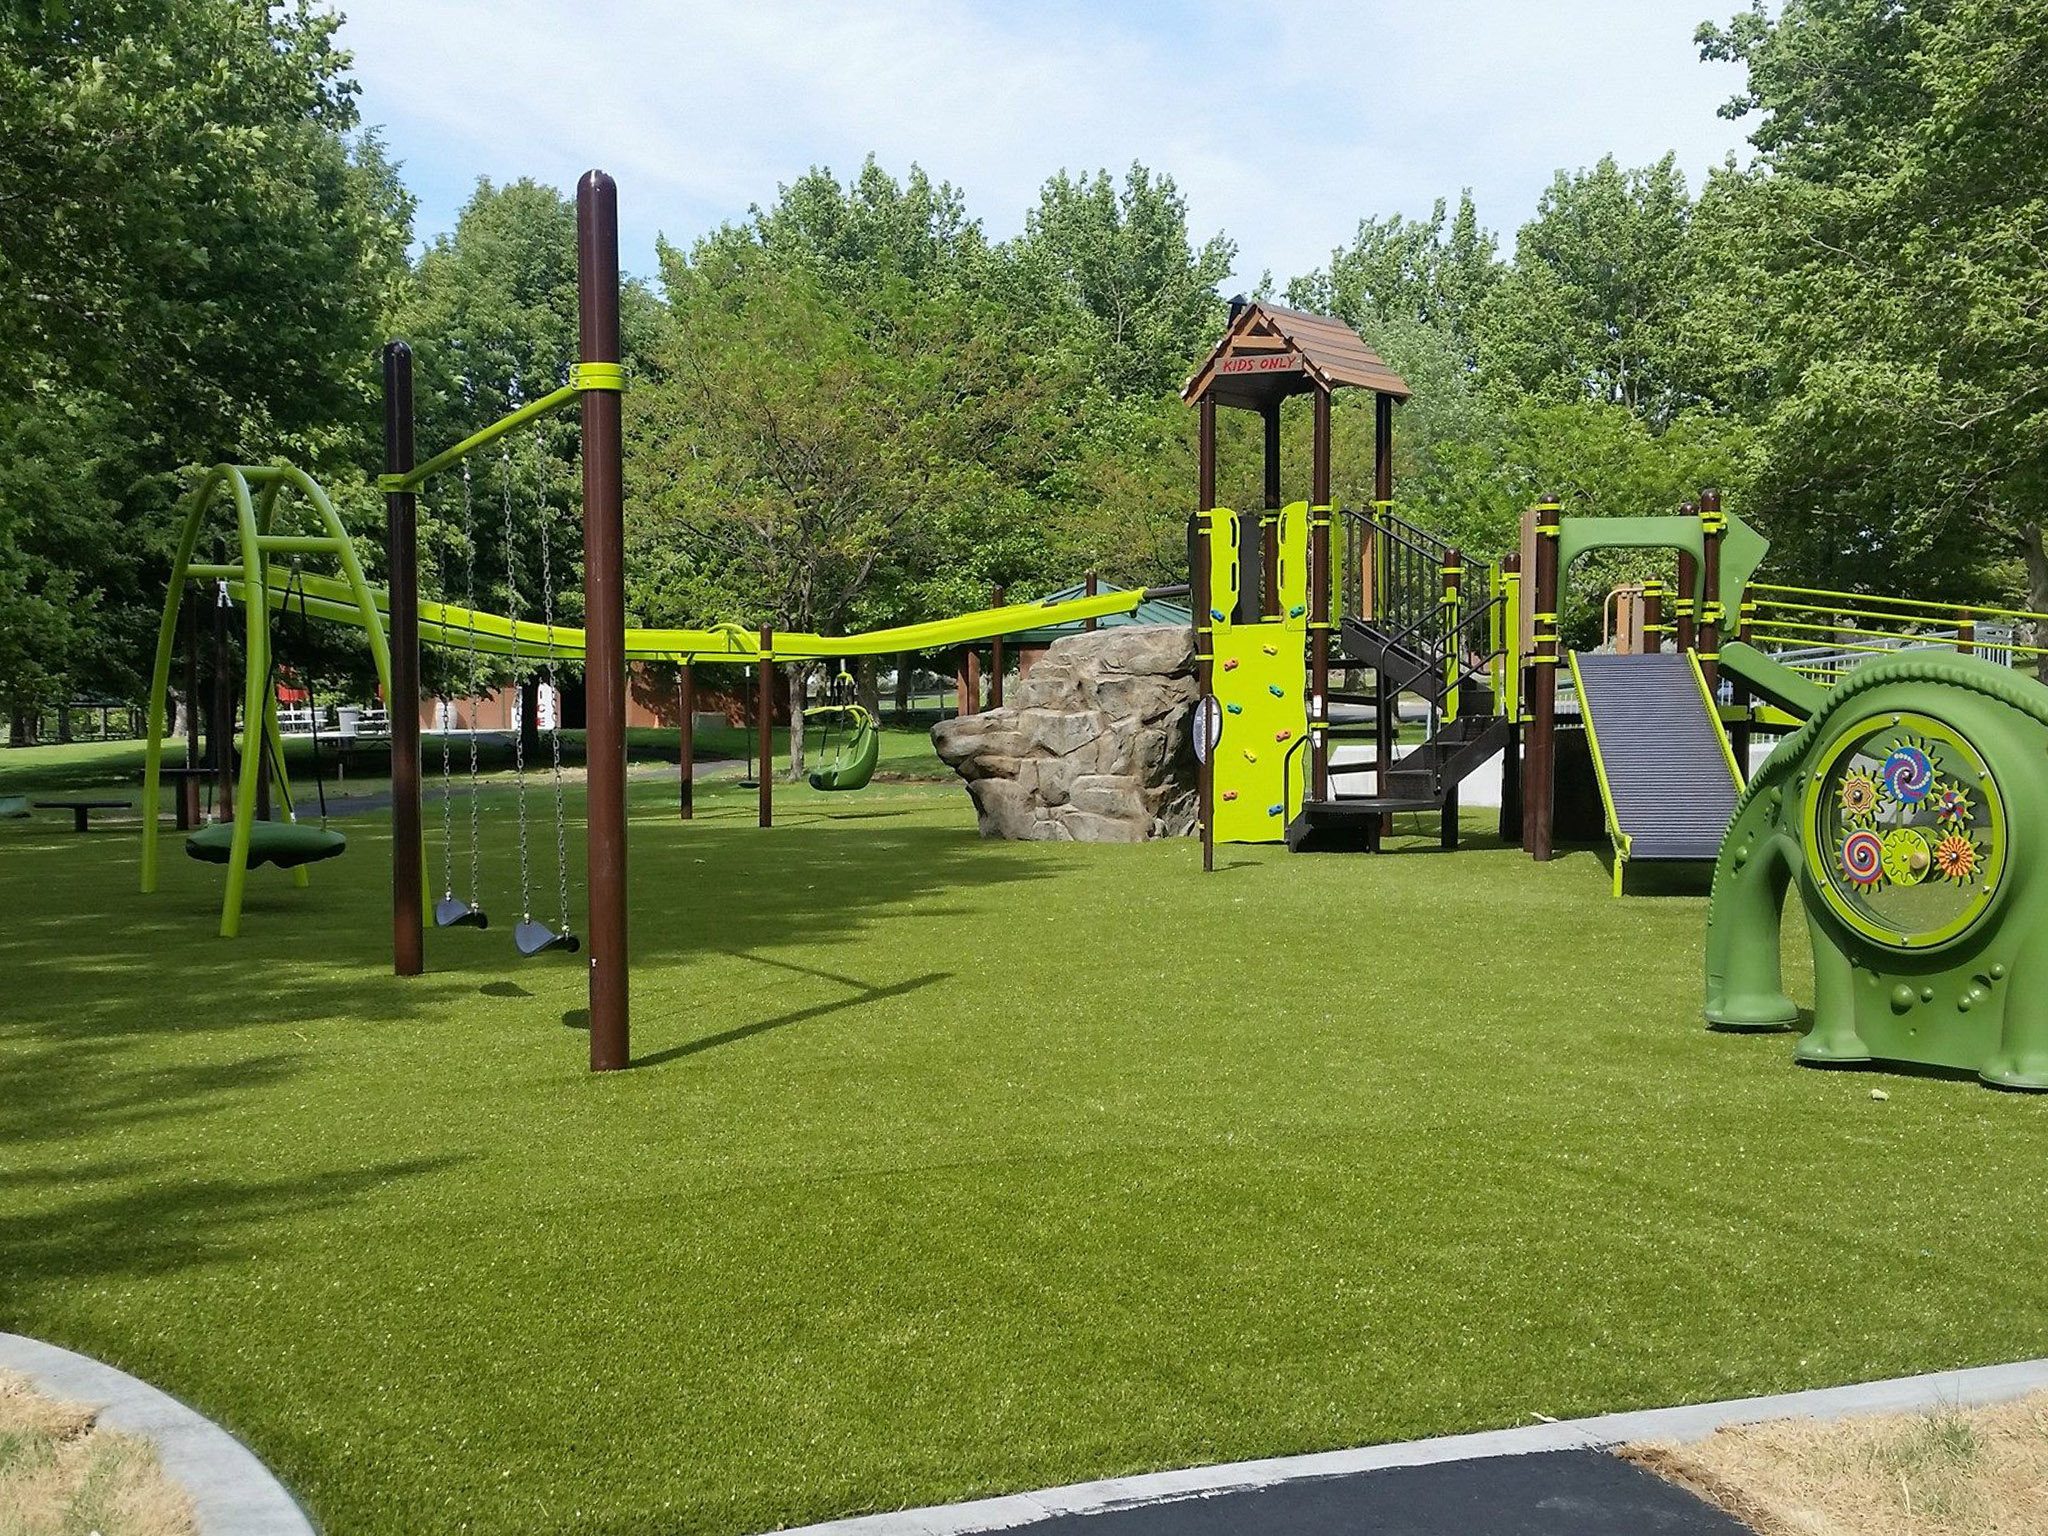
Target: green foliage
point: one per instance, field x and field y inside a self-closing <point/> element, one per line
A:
<point x="1115" y="283"/>
<point x="194" y="262"/>
<point x="1409" y="272"/>
<point x="1882" y="283"/>
<point x="1601" y="277"/>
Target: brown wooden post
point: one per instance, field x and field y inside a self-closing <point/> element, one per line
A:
<point x="1741" y="694"/>
<point x="188" y="785"/>
<point x="1385" y="705"/>
<point x="1712" y="526"/>
<point x="604" y="620"/>
<point x="686" y="740"/>
<point x="1510" y="824"/>
<point x="402" y="709"/>
<point x="1453" y="575"/>
<point x="1089" y="588"/>
<point x="1539" y="776"/>
<point x="221" y="734"/>
<point x="1205" y="616"/>
<point x="1684" y="600"/>
<point x="1653" y="617"/>
<point x="764" y="725"/>
<point x="995" y="661"/>
<point x="1966" y="634"/>
<point x="1318" y="589"/>
<point x="1269" y="524"/>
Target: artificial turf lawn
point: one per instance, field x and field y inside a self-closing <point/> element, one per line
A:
<point x="947" y="1167"/>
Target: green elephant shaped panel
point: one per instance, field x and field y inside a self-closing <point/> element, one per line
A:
<point x="1905" y="811"/>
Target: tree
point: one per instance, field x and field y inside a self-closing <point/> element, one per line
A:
<point x="195" y="260"/>
<point x="1888" y="254"/>
<point x="1601" y="278"/>
<point x="1112" y="279"/>
<point x="1400" y="271"/>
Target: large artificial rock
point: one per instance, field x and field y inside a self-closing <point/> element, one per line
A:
<point x="1095" y="748"/>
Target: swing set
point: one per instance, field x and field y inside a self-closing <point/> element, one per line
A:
<point x="282" y="521"/>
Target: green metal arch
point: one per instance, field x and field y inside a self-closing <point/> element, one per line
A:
<point x="258" y="493"/>
<point x="1742" y="547"/>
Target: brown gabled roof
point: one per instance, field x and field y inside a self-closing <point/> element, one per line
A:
<point x="1270" y="353"/>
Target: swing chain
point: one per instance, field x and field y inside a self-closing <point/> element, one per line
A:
<point x="448" y="764"/>
<point x="519" y="685"/>
<point x="470" y="680"/>
<point x="547" y="610"/>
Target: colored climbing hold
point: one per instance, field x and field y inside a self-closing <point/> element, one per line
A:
<point x="1218" y="615"/>
<point x="1230" y="794"/>
<point x="1270" y="650"/>
<point x="1276" y="690"/>
<point x="1296" y="611"/>
<point x="1275" y="810"/>
<point x="1235" y="709"/>
<point x="1282" y="735"/>
<point x="1250" y="756"/>
<point x="1230" y="665"/>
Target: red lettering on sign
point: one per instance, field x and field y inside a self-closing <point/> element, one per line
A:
<point x="1271" y="362"/>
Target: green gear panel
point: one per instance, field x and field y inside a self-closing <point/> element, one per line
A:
<point x="1903" y="810"/>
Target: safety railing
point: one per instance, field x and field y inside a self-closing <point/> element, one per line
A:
<point x="1823" y="634"/>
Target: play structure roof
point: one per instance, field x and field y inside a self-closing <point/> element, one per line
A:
<point x="1151" y="610"/>
<point x="1270" y="353"/>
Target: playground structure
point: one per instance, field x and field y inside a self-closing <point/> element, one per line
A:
<point x="1644" y="745"/>
<point x="282" y="519"/>
<point x="1901" y="809"/>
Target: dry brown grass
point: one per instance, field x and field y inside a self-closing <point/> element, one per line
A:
<point x="1950" y="1472"/>
<point x="62" y="1475"/>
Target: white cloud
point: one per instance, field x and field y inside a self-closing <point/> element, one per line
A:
<point x="1284" y="121"/>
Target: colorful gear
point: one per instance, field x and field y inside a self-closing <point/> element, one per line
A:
<point x="1863" y="859"/>
<point x="1908" y="774"/>
<point x="1957" y="859"/>
<point x="1952" y="804"/>
<point x="1907" y="857"/>
<point x="1860" y="796"/>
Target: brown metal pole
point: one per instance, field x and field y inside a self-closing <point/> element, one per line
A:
<point x="1453" y="577"/>
<point x="604" y="623"/>
<point x="1269" y="525"/>
<point x="995" y="665"/>
<point x="1712" y="526"/>
<point x="1653" y="617"/>
<point x="1685" y="600"/>
<point x="1386" y="721"/>
<point x="1318" y="591"/>
<point x="1089" y="587"/>
<point x="222" y="735"/>
<point x="764" y="710"/>
<point x="686" y="740"/>
<point x="188" y="785"/>
<point x="1204" y="605"/>
<point x="402" y="709"/>
<point x="1539" y="775"/>
<point x="1510" y="824"/>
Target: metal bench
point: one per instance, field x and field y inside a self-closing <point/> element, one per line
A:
<point x="81" y="810"/>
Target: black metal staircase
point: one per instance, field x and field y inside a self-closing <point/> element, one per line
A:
<point x="1426" y="624"/>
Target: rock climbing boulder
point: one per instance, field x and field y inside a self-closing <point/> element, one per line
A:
<point x="1094" y="748"/>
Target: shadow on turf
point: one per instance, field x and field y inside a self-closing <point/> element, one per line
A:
<point x="168" y="1223"/>
<point x="865" y="995"/>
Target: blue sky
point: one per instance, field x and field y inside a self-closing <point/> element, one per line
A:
<point x="1283" y="121"/>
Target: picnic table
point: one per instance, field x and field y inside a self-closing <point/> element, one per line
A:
<point x="81" y="810"/>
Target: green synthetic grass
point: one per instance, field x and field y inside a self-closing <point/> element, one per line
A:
<point x="947" y="1167"/>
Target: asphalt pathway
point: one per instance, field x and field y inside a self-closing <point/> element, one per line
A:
<point x="1545" y="1493"/>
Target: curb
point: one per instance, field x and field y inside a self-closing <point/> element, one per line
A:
<point x="233" y="1492"/>
<point x="1971" y="1388"/>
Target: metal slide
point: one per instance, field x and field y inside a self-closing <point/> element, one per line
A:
<point x="1667" y="775"/>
